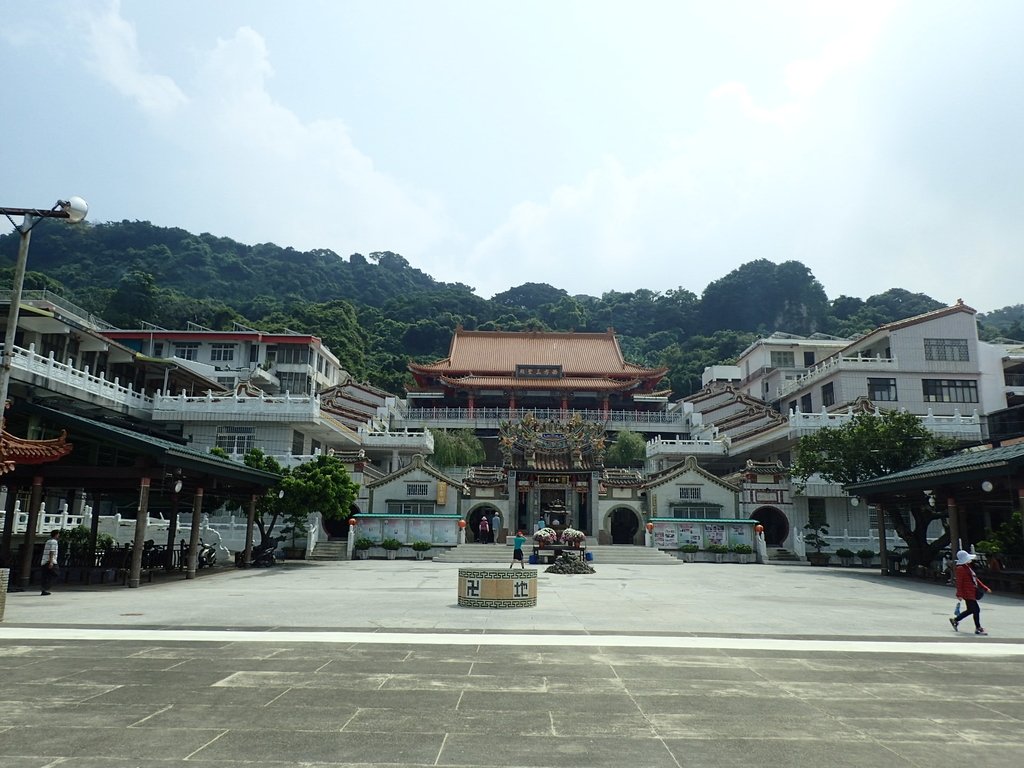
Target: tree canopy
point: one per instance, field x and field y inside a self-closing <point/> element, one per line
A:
<point x="873" y="445"/>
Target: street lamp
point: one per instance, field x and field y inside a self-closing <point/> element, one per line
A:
<point x="74" y="210"/>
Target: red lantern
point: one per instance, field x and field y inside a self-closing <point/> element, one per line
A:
<point x="462" y="523"/>
<point x="351" y="522"/>
<point x="650" y="527"/>
<point x="759" y="528"/>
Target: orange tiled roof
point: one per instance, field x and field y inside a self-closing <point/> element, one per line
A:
<point x="16" y="450"/>
<point x="499" y="352"/>
<point x="577" y="383"/>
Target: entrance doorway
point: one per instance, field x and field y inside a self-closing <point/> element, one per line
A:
<point x="624" y="525"/>
<point x="474" y="523"/>
<point x="338" y="527"/>
<point x="776" y="525"/>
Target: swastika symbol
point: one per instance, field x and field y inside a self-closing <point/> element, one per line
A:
<point x="473" y="587"/>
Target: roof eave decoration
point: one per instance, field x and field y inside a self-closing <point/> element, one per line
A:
<point x="419" y="462"/>
<point x="689" y="464"/>
<point x="16" y="451"/>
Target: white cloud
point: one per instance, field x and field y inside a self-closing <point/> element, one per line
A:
<point x="115" y="56"/>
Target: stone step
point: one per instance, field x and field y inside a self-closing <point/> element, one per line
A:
<point x="330" y="550"/>
<point x="622" y="554"/>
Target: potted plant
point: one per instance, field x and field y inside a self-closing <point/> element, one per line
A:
<point x="362" y="546"/>
<point x="420" y="547"/>
<point x="689" y="550"/>
<point x="718" y="550"/>
<point x="743" y="552"/>
<point x="813" y="537"/>
<point x="573" y="537"/>
<point x="391" y="547"/>
<point x="545" y="536"/>
<point x="845" y="556"/>
<point x="866" y="557"/>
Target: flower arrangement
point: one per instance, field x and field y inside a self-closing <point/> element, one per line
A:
<point x="545" y="536"/>
<point x="571" y="536"/>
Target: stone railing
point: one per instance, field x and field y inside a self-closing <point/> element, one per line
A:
<point x="660" y="446"/>
<point x="958" y="426"/>
<point x="463" y="416"/>
<point x="211" y="407"/>
<point x="833" y="364"/>
<point x="57" y="373"/>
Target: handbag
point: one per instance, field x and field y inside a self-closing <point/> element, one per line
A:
<point x="979" y="593"/>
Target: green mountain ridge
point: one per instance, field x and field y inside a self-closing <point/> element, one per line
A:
<point x="376" y="312"/>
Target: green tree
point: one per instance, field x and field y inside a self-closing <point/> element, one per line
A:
<point x="457" y="448"/>
<point x="874" y="445"/>
<point x="629" y="449"/>
<point x="322" y="485"/>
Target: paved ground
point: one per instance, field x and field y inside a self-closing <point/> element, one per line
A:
<point x="373" y="664"/>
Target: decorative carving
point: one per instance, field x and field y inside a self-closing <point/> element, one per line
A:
<point x="574" y="439"/>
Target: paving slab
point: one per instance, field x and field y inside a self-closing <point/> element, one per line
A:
<point x="374" y="664"/>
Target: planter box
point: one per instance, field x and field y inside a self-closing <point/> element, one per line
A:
<point x="818" y="558"/>
<point x="362" y="554"/>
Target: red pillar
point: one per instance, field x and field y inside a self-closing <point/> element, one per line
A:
<point x="512" y="406"/>
<point x="565" y="405"/>
<point x="604" y="406"/>
<point x="472" y="405"/>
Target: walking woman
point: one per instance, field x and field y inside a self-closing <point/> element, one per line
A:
<point x="970" y="589"/>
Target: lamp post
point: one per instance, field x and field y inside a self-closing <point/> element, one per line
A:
<point x="74" y="210"/>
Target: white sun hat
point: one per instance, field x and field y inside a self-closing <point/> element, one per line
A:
<point x="963" y="557"/>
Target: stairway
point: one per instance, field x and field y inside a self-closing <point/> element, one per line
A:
<point x="781" y="556"/>
<point x="330" y="550"/>
<point x="603" y="554"/>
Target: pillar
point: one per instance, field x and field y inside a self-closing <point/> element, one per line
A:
<point x="955" y="535"/>
<point x="883" y="549"/>
<point x="604" y="406"/>
<point x="141" y="520"/>
<point x="565" y="405"/>
<point x="250" y="521"/>
<point x="472" y="405"/>
<point x="512" y="406"/>
<point x="193" y="542"/>
<point x="9" y="514"/>
<point x="28" y="542"/>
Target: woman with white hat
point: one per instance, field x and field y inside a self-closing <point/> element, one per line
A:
<point x="970" y="589"/>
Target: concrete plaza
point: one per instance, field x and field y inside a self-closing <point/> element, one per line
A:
<point x="372" y="663"/>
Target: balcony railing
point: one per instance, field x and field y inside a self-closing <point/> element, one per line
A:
<point x="423" y="442"/>
<point x="659" y="447"/>
<point x="957" y="426"/>
<point x="48" y="297"/>
<point x="465" y="416"/>
<point x="221" y="407"/>
<point x="833" y="364"/>
<point x="80" y="381"/>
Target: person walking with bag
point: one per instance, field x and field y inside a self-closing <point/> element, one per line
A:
<point x="483" y="530"/>
<point x="48" y="562"/>
<point x="970" y="589"/>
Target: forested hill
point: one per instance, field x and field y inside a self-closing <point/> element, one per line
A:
<point x="377" y="311"/>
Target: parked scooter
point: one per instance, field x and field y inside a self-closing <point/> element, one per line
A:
<point x="206" y="555"/>
<point x="263" y="556"/>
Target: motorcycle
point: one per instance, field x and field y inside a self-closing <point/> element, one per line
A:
<point x="263" y="556"/>
<point x="206" y="555"/>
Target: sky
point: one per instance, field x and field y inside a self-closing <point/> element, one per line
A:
<point x="591" y="145"/>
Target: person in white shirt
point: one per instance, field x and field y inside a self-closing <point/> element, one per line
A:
<point x="48" y="562"/>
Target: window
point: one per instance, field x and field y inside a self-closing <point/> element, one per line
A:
<point x="828" y="394"/>
<point x="816" y="512"/>
<point x="808" y="359"/>
<point x="805" y="403"/>
<point x="186" y="350"/>
<point x="410" y="508"/>
<point x="689" y="492"/>
<point x="701" y="512"/>
<point x="293" y="383"/>
<point x="949" y="391"/>
<point x="226" y="381"/>
<point x="236" y="440"/>
<point x="158" y="349"/>
<point x="298" y="443"/>
<point x="946" y="350"/>
<point x="315" y="446"/>
<point x="792" y="406"/>
<point x="783" y="360"/>
<point x="882" y="389"/>
<point x="222" y="352"/>
<point x="292" y="354"/>
<point x="254" y="353"/>
<point x="417" y="489"/>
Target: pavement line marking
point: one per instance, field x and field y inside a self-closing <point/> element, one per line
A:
<point x="967" y="646"/>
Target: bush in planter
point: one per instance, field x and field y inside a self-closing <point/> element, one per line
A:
<point x="743" y="549"/>
<point x="689" y="548"/>
<point x="421" y="546"/>
<point x="866" y="555"/>
<point x="717" y="549"/>
<point x="363" y="543"/>
<point x="392" y="545"/>
<point x="845" y="556"/>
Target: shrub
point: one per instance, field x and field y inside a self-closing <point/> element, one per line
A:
<point x="743" y="549"/>
<point x="691" y="548"/>
<point x="363" y="543"/>
<point x="844" y="552"/>
<point x="391" y="544"/>
<point x="865" y="554"/>
<point x="717" y="549"/>
<point x="988" y="547"/>
<point x="421" y="546"/>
